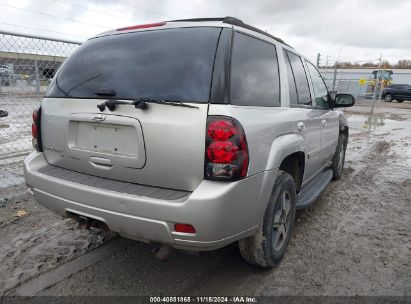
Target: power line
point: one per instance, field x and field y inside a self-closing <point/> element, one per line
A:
<point x="41" y="29"/>
<point x="88" y="9"/>
<point x="52" y="16"/>
<point x="178" y="7"/>
<point x="207" y="8"/>
<point x="142" y="9"/>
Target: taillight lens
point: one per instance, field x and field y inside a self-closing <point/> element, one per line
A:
<point x="35" y="130"/>
<point x="221" y="129"/>
<point x="226" y="149"/>
<point x="222" y="152"/>
<point x="185" y="228"/>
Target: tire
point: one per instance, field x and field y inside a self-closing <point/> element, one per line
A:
<point x="400" y="100"/>
<point x="388" y="98"/>
<point x="268" y="246"/>
<point x="339" y="156"/>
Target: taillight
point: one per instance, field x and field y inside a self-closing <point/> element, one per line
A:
<point x="35" y="130"/>
<point x="141" y="26"/>
<point x="185" y="228"/>
<point x="226" y="149"/>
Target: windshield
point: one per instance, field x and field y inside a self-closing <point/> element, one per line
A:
<point x="172" y="64"/>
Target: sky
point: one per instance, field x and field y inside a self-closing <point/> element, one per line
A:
<point x="347" y="30"/>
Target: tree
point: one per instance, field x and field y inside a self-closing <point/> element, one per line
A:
<point x="385" y="64"/>
<point x="403" y="64"/>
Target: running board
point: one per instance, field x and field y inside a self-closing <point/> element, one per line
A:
<point x="311" y="191"/>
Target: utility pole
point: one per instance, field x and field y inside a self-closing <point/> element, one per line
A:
<point x="335" y="77"/>
<point x="377" y="82"/>
<point x="336" y="64"/>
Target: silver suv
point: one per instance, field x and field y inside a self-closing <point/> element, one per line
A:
<point x="190" y="133"/>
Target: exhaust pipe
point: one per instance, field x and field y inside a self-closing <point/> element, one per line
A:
<point x="164" y="252"/>
<point x="87" y="222"/>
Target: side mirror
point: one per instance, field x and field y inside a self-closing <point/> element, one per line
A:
<point x="344" y="100"/>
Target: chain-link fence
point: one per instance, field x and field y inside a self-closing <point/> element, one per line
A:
<point x="27" y="64"/>
<point x="355" y="82"/>
<point x="362" y="82"/>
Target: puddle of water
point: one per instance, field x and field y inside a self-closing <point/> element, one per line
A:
<point x="380" y="127"/>
<point x="10" y="179"/>
<point x="378" y="124"/>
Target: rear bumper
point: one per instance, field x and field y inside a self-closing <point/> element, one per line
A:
<point x="220" y="212"/>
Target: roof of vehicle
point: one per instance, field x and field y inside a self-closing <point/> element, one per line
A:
<point x="221" y="21"/>
<point x="232" y="21"/>
<point x="397" y="85"/>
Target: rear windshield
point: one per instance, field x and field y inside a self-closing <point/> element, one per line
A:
<point x="172" y="64"/>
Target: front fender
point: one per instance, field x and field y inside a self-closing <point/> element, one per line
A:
<point x="343" y="123"/>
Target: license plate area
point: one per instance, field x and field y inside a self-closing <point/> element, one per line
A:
<point x="106" y="138"/>
<point x="118" y="139"/>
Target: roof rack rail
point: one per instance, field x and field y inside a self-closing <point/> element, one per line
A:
<point x="233" y="21"/>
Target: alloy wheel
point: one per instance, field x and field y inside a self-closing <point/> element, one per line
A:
<point x="282" y="220"/>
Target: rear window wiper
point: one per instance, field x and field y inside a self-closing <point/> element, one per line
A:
<point x="141" y="103"/>
<point x="169" y="102"/>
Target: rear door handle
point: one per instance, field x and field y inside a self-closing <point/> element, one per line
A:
<point x="324" y="122"/>
<point x="301" y="126"/>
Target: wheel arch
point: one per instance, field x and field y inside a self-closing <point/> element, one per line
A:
<point x="344" y="128"/>
<point x="282" y="147"/>
<point x="294" y="164"/>
<point x="391" y="94"/>
<point x="284" y="150"/>
<point x="288" y="154"/>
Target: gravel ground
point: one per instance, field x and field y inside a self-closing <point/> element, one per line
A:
<point x="34" y="239"/>
<point x="354" y="240"/>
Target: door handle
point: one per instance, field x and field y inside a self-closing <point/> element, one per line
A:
<point x="301" y="126"/>
<point x="100" y="162"/>
<point x="324" y="122"/>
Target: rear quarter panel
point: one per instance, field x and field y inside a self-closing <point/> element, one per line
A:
<point x="271" y="133"/>
<point x="271" y="136"/>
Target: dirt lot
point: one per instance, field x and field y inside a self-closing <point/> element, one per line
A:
<point x="354" y="240"/>
<point x="35" y="240"/>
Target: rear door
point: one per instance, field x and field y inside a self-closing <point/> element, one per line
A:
<point x="162" y="145"/>
<point x="307" y="117"/>
<point x="404" y="92"/>
<point x="408" y="92"/>
<point x="397" y="91"/>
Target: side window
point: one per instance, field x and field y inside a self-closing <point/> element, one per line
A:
<point x="303" y="89"/>
<point x="254" y="73"/>
<point x="292" y="89"/>
<point x="319" y="87"/>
